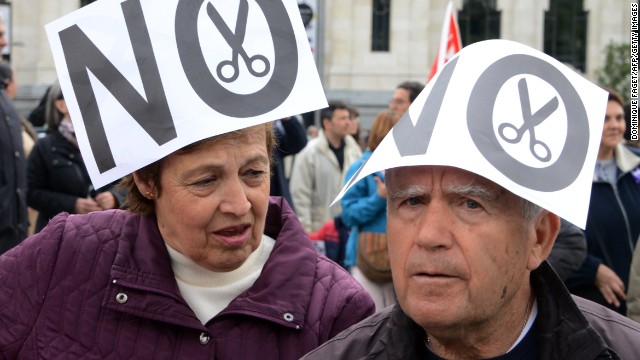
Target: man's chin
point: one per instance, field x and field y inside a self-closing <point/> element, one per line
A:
<point x="429" y="314"/>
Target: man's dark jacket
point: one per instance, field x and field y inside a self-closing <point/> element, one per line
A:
<point x="13" y="178"/>
<point x="291" y="138"/>
<point x="569" y="250"/>
<point x="568" y="328"/>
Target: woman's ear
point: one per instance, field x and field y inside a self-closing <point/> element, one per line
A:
<point x="146" y="186"/>
<point x="547" y="226"/>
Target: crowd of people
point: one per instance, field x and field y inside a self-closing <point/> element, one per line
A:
<point x="232" y="247"/>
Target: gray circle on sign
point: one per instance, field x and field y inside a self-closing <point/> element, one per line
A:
<point x="482" y="101"/>
<point x="272" y="95"/>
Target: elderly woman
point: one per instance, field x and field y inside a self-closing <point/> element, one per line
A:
<point x="202" y="265"/>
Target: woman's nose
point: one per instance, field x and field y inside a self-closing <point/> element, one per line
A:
<point x="235" y="199"/>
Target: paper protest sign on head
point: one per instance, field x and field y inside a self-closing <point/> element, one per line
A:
<point x="508" y="113"/>
<point x="143" y="78"/>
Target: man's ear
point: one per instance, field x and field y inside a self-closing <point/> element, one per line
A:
<point x="547" y="226"/>
<point x="324" y="122"/>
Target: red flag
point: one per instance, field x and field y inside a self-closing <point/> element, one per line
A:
<point x="450" y="42"/>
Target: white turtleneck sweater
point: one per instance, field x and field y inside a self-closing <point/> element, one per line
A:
<point x="208" y="292"/>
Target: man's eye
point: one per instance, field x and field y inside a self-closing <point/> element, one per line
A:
<point x="413" y="201"/>
<point x="471" y="204"/>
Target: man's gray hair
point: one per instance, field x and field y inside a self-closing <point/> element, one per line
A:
<point x="530" y="210"/>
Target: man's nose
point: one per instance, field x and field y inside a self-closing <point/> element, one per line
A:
<point x="436" y="225"/>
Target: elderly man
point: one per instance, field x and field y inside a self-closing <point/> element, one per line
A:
<point x="468" y="263"/>
<point x="468" y="236"/>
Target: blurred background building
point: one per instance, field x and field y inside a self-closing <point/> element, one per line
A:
<point x="364" y="48"/>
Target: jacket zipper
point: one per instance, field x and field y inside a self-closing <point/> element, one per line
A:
<point x="625" y="217"/>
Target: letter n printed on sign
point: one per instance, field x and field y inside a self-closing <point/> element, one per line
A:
<point x="143" y="78"/>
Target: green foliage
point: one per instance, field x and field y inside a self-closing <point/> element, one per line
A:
<point x="616" y="72"/>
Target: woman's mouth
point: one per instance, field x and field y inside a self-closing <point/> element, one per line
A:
<point x="233" y="236"/>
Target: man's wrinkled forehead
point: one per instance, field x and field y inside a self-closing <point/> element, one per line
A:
<point x="448" y="176"/>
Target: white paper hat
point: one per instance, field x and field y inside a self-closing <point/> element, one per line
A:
<point x="511" y="114"/>
<point x="143" y="78"/>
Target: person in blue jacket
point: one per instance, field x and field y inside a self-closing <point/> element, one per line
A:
<point x="364" y="208"/>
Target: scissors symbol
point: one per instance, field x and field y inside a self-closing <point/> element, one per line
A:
<point x="235" y="40"/>
<point x="530" y="122"/>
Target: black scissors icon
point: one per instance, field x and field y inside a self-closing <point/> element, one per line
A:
<point x="235" y="41"/>
<point x="530" y="122"/>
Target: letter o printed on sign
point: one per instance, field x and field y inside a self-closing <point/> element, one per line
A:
<point x="216" y="96"/>
<point x="482" y="101"/>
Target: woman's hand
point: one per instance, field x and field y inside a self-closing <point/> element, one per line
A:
<point x="86" y="205"/>
<point x="382" y="188"/>
<point x="106" y="200"/>
<point x="610" y="285"/>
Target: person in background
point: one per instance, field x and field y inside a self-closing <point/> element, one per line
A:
<point x="331" y="239"/>
<point x="57" y="177"/>
<point x="355" y="132"/>
<point x="202" y="263"/>
<point x="364" y="210"/>
<point x="569" y="250"/>
<point x="36" y="115"/>
<point x="613" y="224"/>
<point x="291" y="138"/>
<point x="633" y="295"/>
<point x="14" y="221"/>
<point x="29" y="135"/>
<point x="404" y="94"/>
<point x="320" y="168"/>
<point x="312" y="132"/>
<point x="10" y="85"/>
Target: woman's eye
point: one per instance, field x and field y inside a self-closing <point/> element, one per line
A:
<point x="255" y="173"/>
<point x="204" y="182"/>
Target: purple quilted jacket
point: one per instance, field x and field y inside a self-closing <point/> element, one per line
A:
<point x="100" y="286"/>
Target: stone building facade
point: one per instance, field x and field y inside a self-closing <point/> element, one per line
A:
<point x="350" y="69"/>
